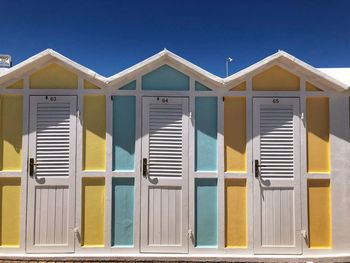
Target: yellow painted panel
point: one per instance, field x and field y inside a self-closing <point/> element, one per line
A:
<point x="93" y="212"/>
<point x="240" y="87"/>
<point x="11" y="132"/>
<point x="311" y="87"/>
<point x="235" y="134"/>
<point x="10" y="191"/>
<point x="94" y="141"/>
<point x="53" y="77"/>
<point x="236" y="213"/>
<point x="320" y="213"/>
<point x="276" y="79"/>
<point x="16" y="85"/>
<point x="318" y="150"/>
<point x="89" y="85"/>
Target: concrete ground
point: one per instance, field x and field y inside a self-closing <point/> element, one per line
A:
<point x="167" y="258"/>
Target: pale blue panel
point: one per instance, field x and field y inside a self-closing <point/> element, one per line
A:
<point x="130" y="86"/>
<point x="123" y="212"/>
<point x="124" y="115"/>
<point x="206" y="213"/>
<point x="206" y="134"/>
<point x="200" y="87"/>
<point x="165" y="78"/>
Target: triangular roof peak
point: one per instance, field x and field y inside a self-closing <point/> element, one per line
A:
<point x="167" y="57"/>
<point x="164" y="57"/>
<point x="293" y="64"/>
<point x="49" y="55"/>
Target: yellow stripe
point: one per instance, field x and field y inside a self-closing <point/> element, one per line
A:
<point x="319" y="204"/>
<point x="10" y="189"/>
<point x="236" y="213"/>
<point x="89" y="85"/>
<point x="235" y="134"/>
<point x="11" y="132"/>
<point x="274" y="79"/>
<point x="16" y="85"/>
<point x="318" y="150"/>
<point x="240" y="87"/>
<point x="94" y="143"/>
<point x="53" y="77"/>
<point x="311" y="87"/>
<point x="93" y="212"/>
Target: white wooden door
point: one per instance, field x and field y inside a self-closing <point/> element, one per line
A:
<point x="276" y="164"/>
<point x="164" y="173"/>
<point x="51" y="176"/>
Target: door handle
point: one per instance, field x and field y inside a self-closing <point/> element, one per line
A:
<point x="257" y="168"/>
<point x="31" y="167"/>
<point x="144" y="167"/>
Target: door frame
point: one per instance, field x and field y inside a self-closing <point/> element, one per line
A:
<point x="187" y="204"/>
<point x="74" y="173"/>
<point x="298" y="202"/>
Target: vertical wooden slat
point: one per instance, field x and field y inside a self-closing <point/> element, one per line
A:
<point x="10" y="212"/>
<point x="318" y="148"/>
<point x="236" y="213"/>
<point x="11" y="132"/>
<point x="124" y="133"/>
<point x="206" y="134"/>
<point x="206" y="234"/>
<point x="235" y="134"/>
<point x="93" y="214"/>
<point x="320" y="213"/>
<point x="94" y="133"/>
<point x="123" y="212"/>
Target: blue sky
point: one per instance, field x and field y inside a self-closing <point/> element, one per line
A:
<point x="109" y="36"/>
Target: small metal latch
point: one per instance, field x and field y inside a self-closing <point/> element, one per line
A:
<point x="302" y="115"/>
<point x="190" y="115"/>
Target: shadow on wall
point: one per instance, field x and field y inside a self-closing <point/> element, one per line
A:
<point x="11" y="132"/>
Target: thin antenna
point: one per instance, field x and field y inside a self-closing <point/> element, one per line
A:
<point x="228" y="61"/>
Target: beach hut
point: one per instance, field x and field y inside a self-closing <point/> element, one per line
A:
<point x="165" y="158"/>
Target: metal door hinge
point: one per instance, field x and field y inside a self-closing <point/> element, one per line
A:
<point x="77" y="234"/>
<point x="304" y="233"/>
<point x="305" y="236"/>
<point x="190" y="115"/>
<point x="302" y="115"/>
<point x="191" y="235"/>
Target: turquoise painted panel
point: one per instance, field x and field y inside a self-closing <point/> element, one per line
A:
<point x="206" y="221"/>
<point x="206" y="134"/>
<point x="200" y="87"/>
<point x="124" y="116"/>
<point x="123" y="212"/>
<point x="130" y="86"/>
<point x="165" y="78"/>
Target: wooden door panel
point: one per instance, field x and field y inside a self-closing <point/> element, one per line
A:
<point x="51" y="186"/>
<point x="276" y="149"/>
<point x="164" y="194"/>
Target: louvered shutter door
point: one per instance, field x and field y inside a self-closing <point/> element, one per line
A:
<point x="276" y="141"/>
<point x="165" y="140"/>
<point x="53" y="139"/>
<point x="164" y="189"/>
<point x="51" y="189"/>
